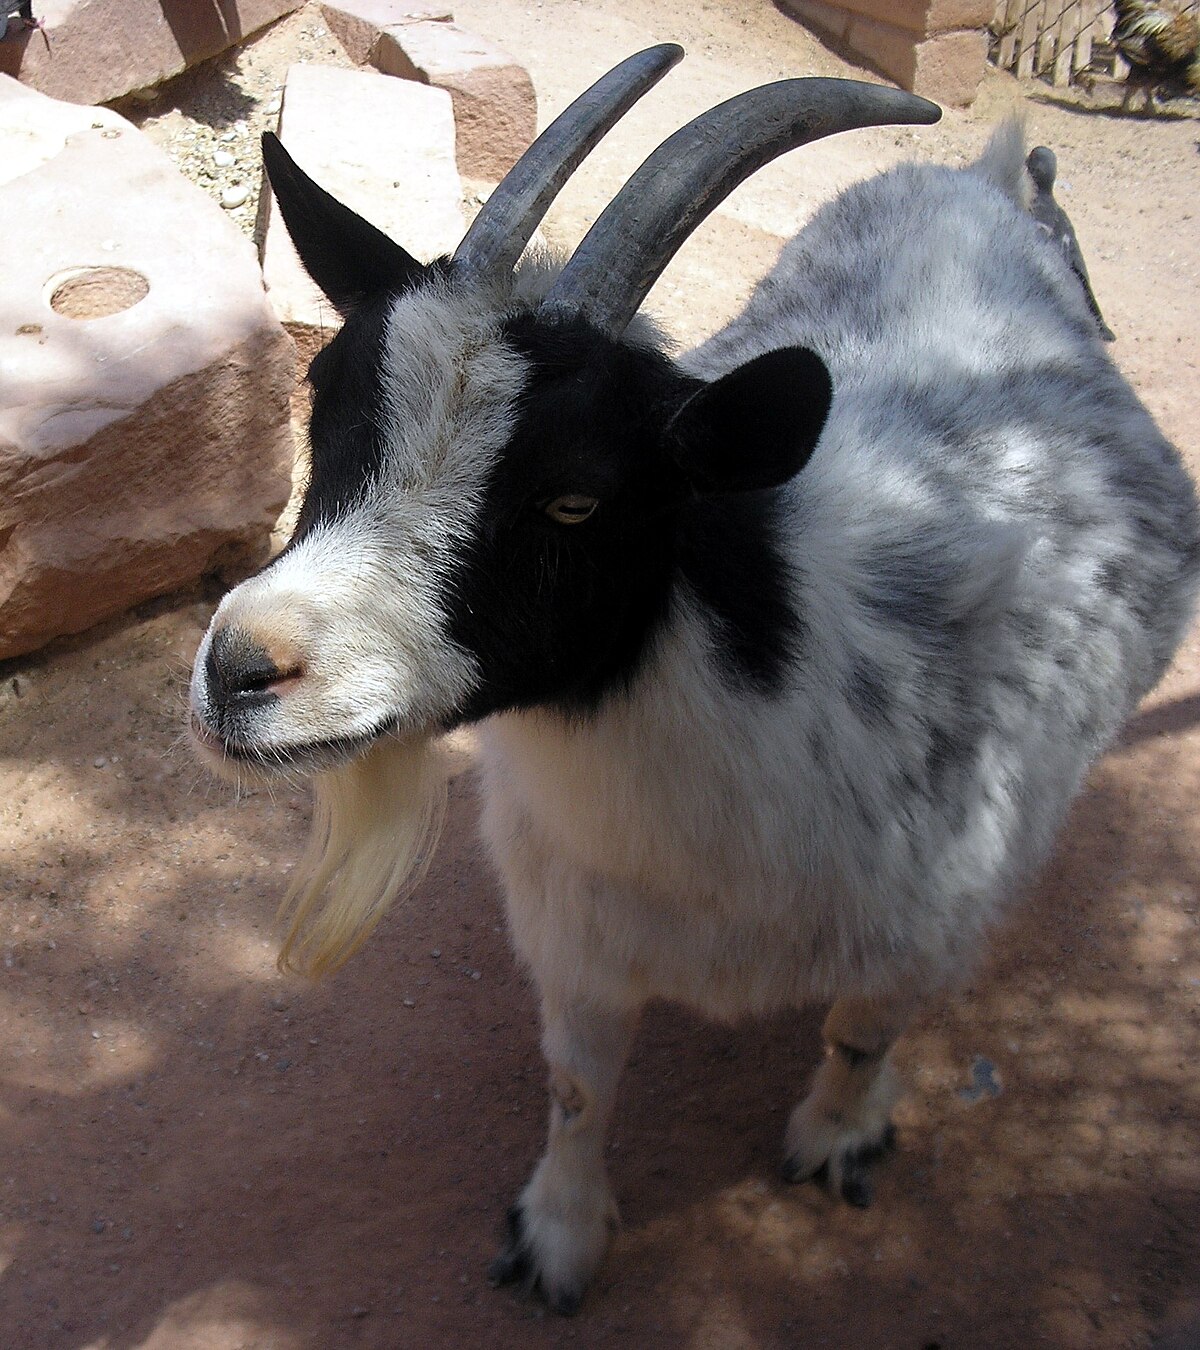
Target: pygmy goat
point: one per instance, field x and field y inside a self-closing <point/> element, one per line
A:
<point x="788" y="657"/>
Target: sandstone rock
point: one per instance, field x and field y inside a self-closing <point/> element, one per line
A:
<point x="93" y="51"/>
<point x="946" y="67"/>
<point x="384" y="147"/>
<point x="937" y="48"/>
<point x="144" y="433"/>
<point x="358" y="24"/>
<point x="495" y="108"/>
<point x="950" y="66"/>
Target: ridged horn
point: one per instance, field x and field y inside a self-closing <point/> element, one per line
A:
<point x="693" y="171"/>
<point x="499" y="233"/>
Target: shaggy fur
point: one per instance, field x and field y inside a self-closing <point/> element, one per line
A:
<point x="744" y="749"/>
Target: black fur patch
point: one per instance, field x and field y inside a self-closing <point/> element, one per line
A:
<point x="731" y="557"/>
<point x="565" y="613"/>
<point x="346" y="428"/>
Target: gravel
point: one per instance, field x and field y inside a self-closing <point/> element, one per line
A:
<point x="210" y="119"/>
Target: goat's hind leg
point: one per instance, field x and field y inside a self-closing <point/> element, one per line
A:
<point x="845" y="1122"/>
<point x="561" y="1226"/>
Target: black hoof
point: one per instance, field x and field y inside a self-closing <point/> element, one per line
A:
<point x="856" y="1186"/>
<point x="515" y="1261"/>
<point x="857" y="1189"/>
<point x="791" y="1171"/>
<point x="516" y="1265"/>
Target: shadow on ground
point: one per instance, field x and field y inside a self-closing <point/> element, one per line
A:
<point x="231" y="1157"/>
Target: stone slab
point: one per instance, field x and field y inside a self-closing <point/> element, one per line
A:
<point x="950" y="66"/>
<point x="144" y="381"/>
<point x="937" y="48"/>
<point x="946" y="67"/>
<point x="358" y="24"/>
<point x="385" y="147"/>
<point x="495" y="107"/>
<point x="93" y="51"/>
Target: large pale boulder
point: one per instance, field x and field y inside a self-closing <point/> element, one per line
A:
<point x="144" y="381"/>
<point x="384" y="147"/>
<point x="92" y="51"/>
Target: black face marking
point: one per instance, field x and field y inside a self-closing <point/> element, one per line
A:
<point x="559" y="613"/>
<point x="346" y="428"/>
<point x="564" y="613"/>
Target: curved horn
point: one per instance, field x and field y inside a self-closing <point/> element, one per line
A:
<point x="692" y="172"/>
<point x="499" y="233"/>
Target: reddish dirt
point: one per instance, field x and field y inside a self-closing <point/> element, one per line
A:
<point x="198" y="1152"/>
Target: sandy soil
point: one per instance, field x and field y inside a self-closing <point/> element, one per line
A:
<point x="198" y="1152"/>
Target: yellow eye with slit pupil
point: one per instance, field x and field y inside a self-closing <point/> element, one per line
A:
<point x="571" y="508"/>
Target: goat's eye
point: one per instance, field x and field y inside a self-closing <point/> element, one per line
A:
<point x="570" y="509"/>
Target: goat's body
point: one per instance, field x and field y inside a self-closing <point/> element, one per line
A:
<point x="789" y="657"/>
<point x="992" y="555"/>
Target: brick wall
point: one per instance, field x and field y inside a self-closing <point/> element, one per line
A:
<point x="933" y="47"/>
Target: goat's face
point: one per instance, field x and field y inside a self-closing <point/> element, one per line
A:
<point x="496" y="489"/>
<point x="490" y="522"/>
<point x="472" y="536"/>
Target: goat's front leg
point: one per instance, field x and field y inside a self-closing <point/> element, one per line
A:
<point x="844" y="1123"/>
<point x="560" y="1227"/>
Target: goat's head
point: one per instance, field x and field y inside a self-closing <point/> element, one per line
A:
<point x="497" y="464"/>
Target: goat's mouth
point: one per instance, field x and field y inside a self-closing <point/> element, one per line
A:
<point x="234" y="757"/>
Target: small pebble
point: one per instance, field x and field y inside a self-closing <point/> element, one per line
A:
<point x="99" y="762"/>
<point x="273" y="107"/>
<point x="229" y="135"/>
<point x="223" y="159"/>
<point x="409" y="1003"/>
<point x="234" y="196"/>
<point x="98" y="1225"/>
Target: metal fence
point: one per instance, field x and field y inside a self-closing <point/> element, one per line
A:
<point x="1055" y="40"/>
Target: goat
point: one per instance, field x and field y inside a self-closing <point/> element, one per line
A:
<point x="787" y="656"/>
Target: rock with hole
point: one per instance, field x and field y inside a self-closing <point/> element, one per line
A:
<point x="144" y="381"/>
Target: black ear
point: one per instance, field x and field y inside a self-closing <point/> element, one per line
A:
<point x="755" y="427"/>
<point x="343" y="253"/>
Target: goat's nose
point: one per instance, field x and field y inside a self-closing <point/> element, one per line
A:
<point x="240" y="670"/>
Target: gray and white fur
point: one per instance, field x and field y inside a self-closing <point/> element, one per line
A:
<point x="987" y="560"/>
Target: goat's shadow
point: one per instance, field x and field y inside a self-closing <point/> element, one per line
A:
<point x="330" y="1166"/>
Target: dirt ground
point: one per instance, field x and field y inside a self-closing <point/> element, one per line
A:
<point x="196" y="1151"/>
